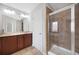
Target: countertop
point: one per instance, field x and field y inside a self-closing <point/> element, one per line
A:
<point x="12" y="34"/>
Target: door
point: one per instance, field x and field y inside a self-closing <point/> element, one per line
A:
<point x="38" y="28"/>
<point x="27" y="40"/>
<point x="60" y="29"/>
<point x="0" y="46"/>
<point x="20" y="42"/>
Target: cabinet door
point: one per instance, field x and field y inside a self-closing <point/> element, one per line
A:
<point x="9" y="44"/>
<point x="27" y="40"/>
<point x="20" y="42"/>
<point x="0" y="46"/>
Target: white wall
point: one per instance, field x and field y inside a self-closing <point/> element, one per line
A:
<point x="38" y="22"/>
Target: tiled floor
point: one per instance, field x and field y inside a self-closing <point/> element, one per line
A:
<point x="57" y="50"/>
<point x="28" y="51"/>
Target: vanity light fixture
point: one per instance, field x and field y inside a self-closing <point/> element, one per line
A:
<point x="9" y="11"/>
<point x="24" y="16"/>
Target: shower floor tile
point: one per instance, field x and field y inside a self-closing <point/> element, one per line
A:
<point x="59" y="51"/>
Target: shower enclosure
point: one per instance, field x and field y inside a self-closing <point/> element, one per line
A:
<point x="63" y="31"/>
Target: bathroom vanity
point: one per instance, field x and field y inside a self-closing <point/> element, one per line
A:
<point x="12" y="42"/>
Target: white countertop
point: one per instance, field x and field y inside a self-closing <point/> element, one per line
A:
<point x="11" y="34"/>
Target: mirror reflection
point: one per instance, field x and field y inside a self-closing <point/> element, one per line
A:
<point x="13" y="20"/>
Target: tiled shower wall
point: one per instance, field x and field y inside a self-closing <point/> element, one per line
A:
<point x="77" y="28"/>
<point x="63" y="36"/>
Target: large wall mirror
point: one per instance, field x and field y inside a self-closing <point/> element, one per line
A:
<point x="13" y="20"/>
<point x="10" y="24"/>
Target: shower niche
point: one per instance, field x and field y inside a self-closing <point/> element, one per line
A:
<point x="54" y="26"/>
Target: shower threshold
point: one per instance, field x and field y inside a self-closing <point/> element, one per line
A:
<point x="57" y="50"/>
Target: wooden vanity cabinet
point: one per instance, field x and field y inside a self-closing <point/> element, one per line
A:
<point x="9" y="44"/>
<point x="24" y="41"/>
<point x="20" y="42"/>
<point x="27" y="40"/>
<point x="0" y="47"/>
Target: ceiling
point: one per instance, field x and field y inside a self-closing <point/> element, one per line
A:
<point x="28" y="7"/>
<point x="25" y="7"/>
<point x="57" y="6"/>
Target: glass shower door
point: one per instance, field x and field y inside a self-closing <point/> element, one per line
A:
<point x="60" y="32"/>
